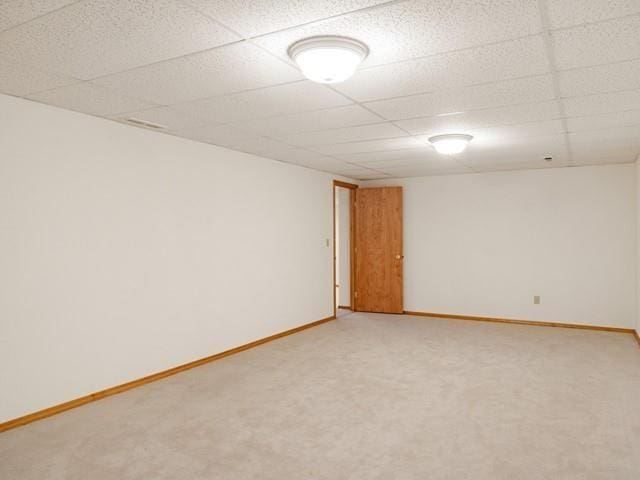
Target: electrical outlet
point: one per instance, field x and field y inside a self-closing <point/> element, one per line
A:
<point x="536" y="299"/>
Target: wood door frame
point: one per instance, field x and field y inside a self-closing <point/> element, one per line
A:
<point x="352" y="233"/>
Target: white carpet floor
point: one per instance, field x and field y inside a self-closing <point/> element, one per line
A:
<point x="364" y="397"/>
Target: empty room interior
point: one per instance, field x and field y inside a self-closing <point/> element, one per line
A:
<point x="319" y="239"/>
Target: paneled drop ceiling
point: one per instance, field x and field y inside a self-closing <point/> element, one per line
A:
<point x="528" y="79"/>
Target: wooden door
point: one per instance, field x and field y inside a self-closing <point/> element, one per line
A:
<point x="378" y="250"/>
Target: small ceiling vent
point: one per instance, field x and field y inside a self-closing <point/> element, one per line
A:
<point x="144" y="123"/>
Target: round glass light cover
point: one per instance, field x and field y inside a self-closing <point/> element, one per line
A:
<point x="450" y="144"/>
<point x="328" y="59"/>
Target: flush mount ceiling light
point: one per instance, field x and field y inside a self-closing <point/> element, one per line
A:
<point x="450" y="144"/>
<point x="328" y="58"/>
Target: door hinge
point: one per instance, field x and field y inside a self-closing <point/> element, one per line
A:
<point x="355" y="294"/>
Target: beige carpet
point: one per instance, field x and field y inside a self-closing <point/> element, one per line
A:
<point x="365" y="397"/>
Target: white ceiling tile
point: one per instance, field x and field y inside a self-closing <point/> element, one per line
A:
<point x="513" y="59"/>
<point x="608" y="134"/>
<point x="358" y="173"/>
<point x="522" y="130"/>
<point x="235" y="139"/>
<point x="474" y="119"/>
<point x="170" y="119"/>
<point x="91" y="99"/>
<point x="224" y="70"/>
<point x="368" y="176"/>
<point x="404" y="162"/>
<point x="600" y="79"/>
<point x="602" y="103"/>
<point x="18" y="79"/>
<point x="291" y="154"/>
<point x="519" y="164"/>
<point x="321" y="162"/>
<point x="265" y="102"/>
<point x="566" y="13"/>
<point x="616" y="145"/>
<point x="390" y="156"/>
<point x="331" y="165"/>
<point x="606" y="139"/>
<point x="343" y="135"/>
<point x="516" y="152"/>
<point x="267" y="148"/>
<point x="604" y="121"/>
<point x="97" y="37"/>
<point x="15" y="12"/>
<point x="605" y="156"/>
<point x="230" y="137"/>
<point x="596" y="44"/>
<point x="510" y="92"/>
<point x="447" y="166"/>
<point x="349" y="115"/>
<point x="418" y="28"/>
<point x="263" y="16"/>
<point x="370" y="146"/>
<point x="224" y="136"/>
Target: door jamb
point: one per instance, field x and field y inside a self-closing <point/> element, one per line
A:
<point x="352" y="218"/>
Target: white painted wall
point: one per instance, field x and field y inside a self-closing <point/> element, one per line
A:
<point x="125" y="252"/>
<point x="343" y="254"/>
<point x="485" y="244"/>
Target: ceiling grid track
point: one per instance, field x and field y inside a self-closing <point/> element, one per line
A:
<point x="548" y="45"/>
<point x="41" y="16"/>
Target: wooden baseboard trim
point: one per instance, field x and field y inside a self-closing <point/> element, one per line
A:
<point x="47" y="412"/>
<point x="637" y="336"/>
<point x="345" y="307"/>
<point x="522" y="322"/>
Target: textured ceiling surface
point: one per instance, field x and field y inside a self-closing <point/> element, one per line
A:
<point x="528" y="79"/>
